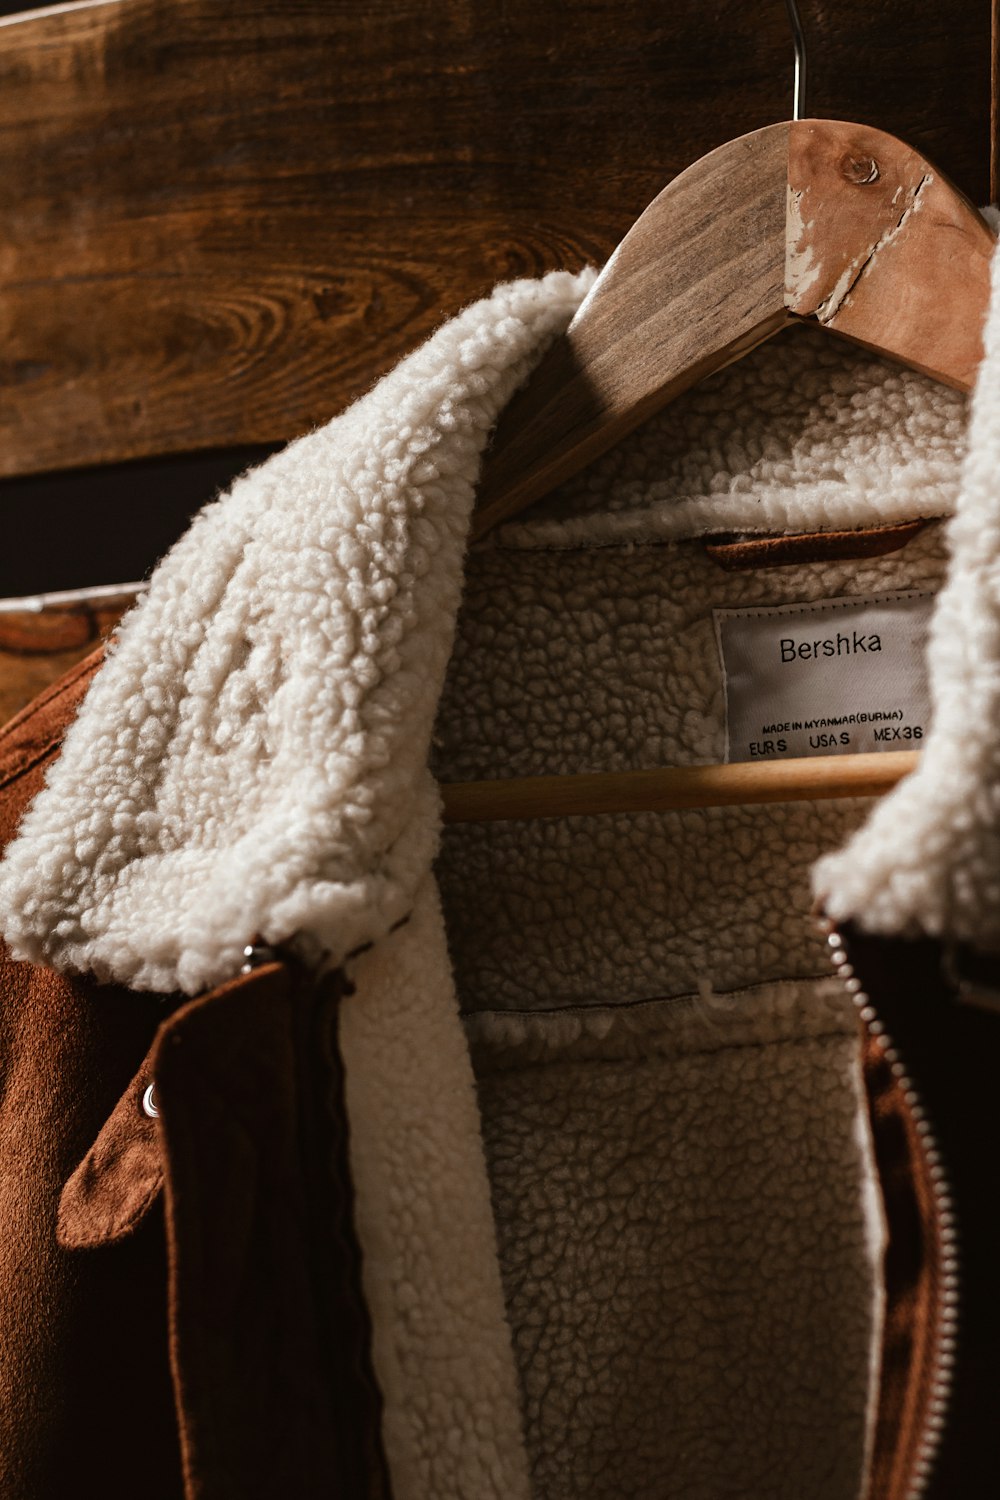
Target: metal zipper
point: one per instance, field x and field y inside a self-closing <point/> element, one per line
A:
<point x="943" y="1358"/>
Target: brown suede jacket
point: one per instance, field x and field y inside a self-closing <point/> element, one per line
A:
<point x="162" y="1325"/>
<point x="202" y="1272"/>
<point x="163" y="1321"/>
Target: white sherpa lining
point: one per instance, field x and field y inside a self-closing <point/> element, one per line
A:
<point x="671" y="1102"/>
<point x="441" y="1345"/>
<point x="928" y="858"/>
<point x="252" y="760"/>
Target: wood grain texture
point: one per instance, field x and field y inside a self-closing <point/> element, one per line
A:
<point x="883" y="249"/>
<point x="221" y="223"/>
<point x="696" y="282"/>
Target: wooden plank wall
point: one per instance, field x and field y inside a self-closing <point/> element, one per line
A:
<point x="221" y="222"/>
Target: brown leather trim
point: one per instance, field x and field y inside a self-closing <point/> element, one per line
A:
<point x="912" y="1271"/>
<point x="950" y="1050"/>
<point x="38" y="729"/>
<point x="114" y="1188"/>
<point x="270" y="1336"/>
<point x="65" y="684"/>
<point x="742" y="552"/>
<point x="347" y="1314"/>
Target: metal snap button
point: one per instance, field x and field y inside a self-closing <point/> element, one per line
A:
<point x="149" y="1103"/>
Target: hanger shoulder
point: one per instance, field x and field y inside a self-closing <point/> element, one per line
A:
<point x="884" y="249"/>
<point x="823" y="220"/>
<point x="697" y="281"/>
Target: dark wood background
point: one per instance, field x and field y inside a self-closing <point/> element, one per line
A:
<point x="221" y="222"/>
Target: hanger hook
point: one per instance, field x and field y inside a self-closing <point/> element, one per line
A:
<point x="799" y="43"/>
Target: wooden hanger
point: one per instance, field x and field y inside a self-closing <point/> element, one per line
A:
<point x="672" y="787"/>
<point x="814" y="221"/>
<point x="818" y="221"/>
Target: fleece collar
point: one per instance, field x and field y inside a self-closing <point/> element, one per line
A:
<point x="251" y="759"/>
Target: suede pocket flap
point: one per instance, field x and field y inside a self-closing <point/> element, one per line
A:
<point x="119" y="1179"/>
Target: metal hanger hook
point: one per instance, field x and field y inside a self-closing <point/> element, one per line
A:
<point x="799" y="43"/>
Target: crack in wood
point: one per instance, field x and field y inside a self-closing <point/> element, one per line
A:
<point x="831" y="305"/>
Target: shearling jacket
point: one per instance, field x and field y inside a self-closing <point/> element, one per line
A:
<point x="347" y="1155"/>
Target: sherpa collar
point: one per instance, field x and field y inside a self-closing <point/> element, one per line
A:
<point x="251" y="759"/>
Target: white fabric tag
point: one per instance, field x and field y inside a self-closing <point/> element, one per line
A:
<point x="836" y="677"/>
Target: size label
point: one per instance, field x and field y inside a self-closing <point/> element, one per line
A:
<point x="836" y="677"/>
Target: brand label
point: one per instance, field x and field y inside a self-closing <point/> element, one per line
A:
<point x="836" y="677"/>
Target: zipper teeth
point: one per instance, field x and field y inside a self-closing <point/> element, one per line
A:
<point x="943" y="1358"/>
